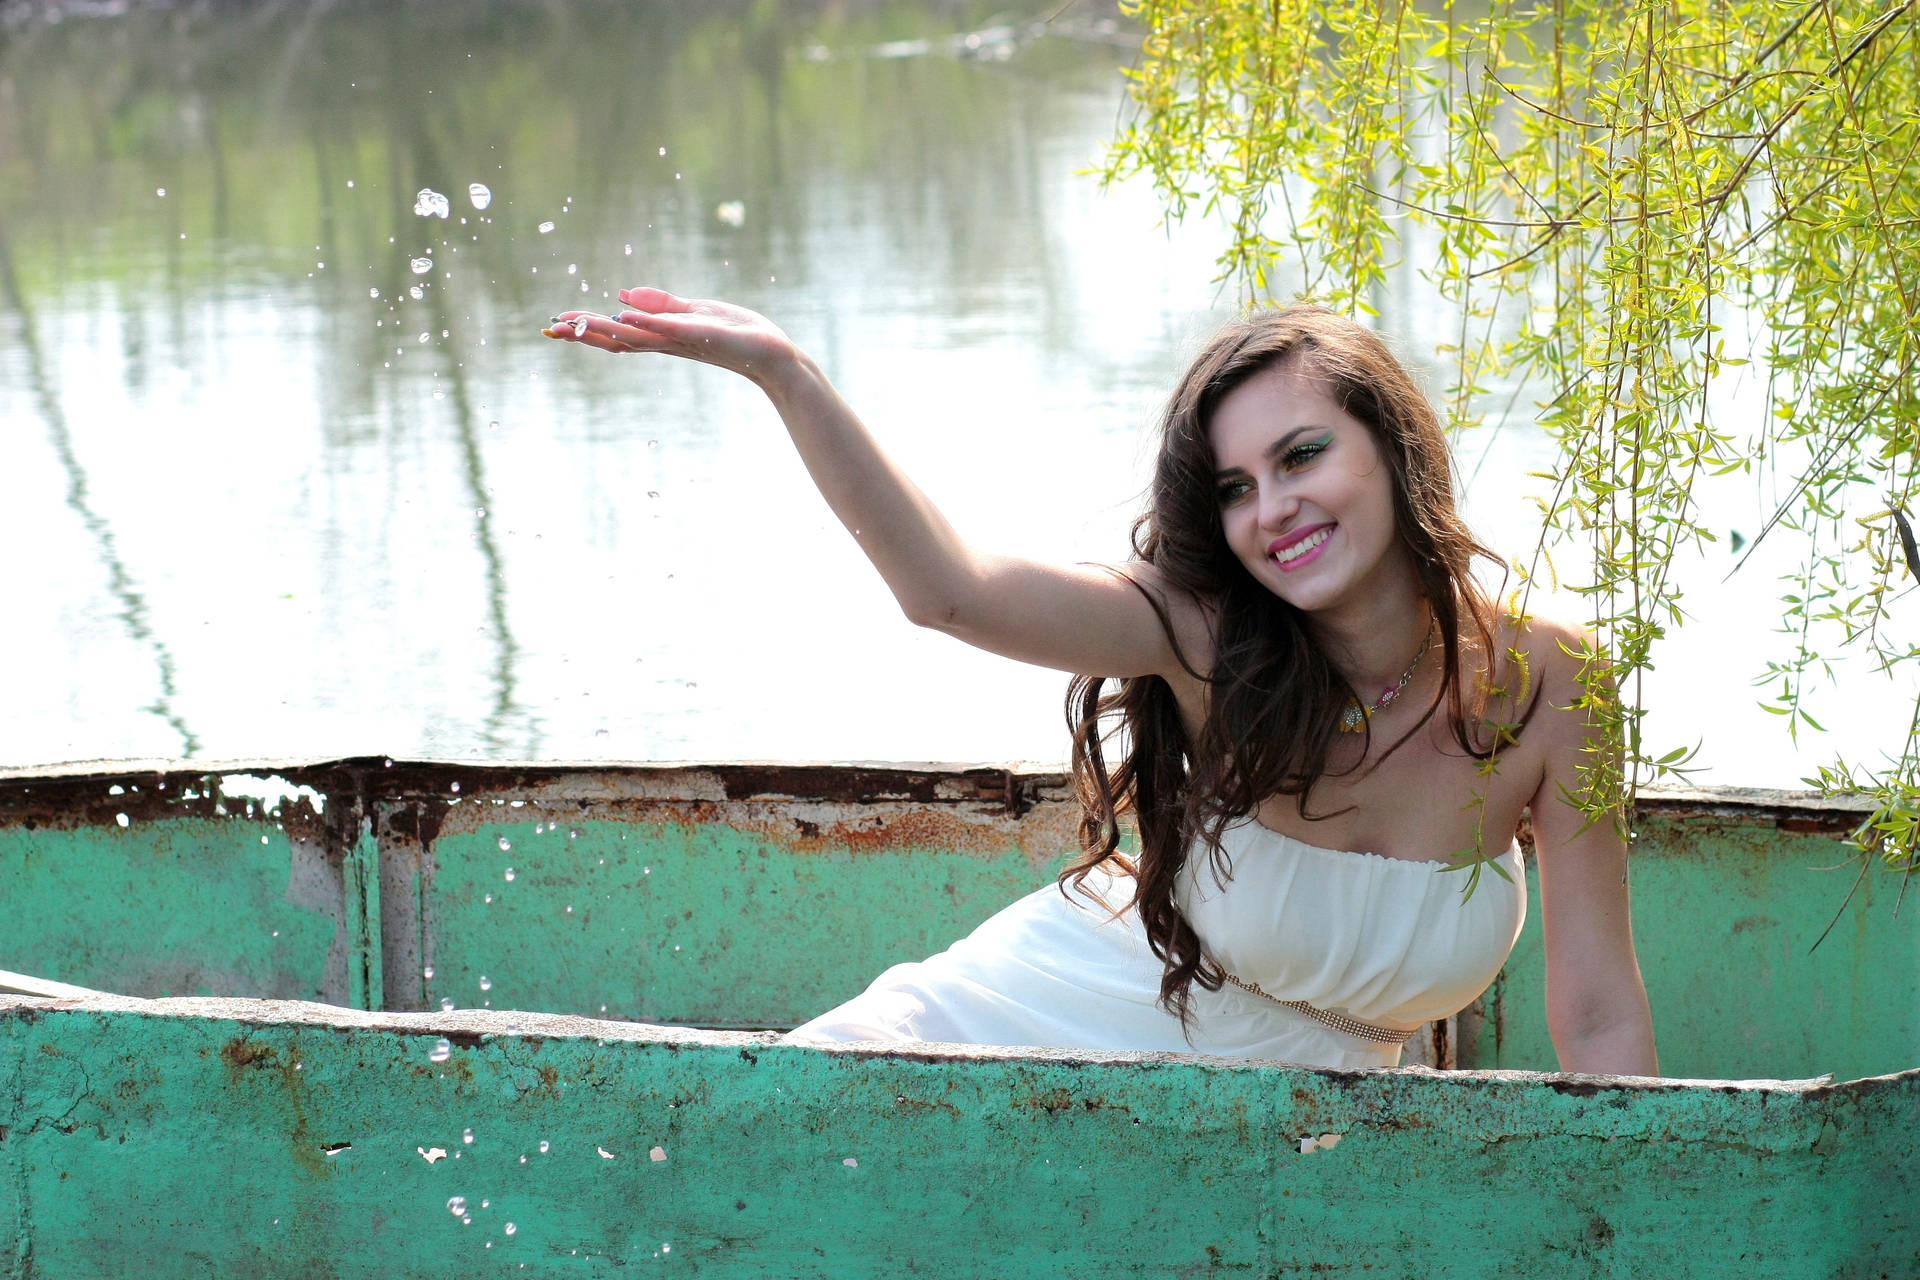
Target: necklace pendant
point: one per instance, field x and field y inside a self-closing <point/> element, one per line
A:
<point x="1354" y="718"/>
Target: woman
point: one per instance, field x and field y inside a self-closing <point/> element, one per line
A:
<point x="1321" y="714"/>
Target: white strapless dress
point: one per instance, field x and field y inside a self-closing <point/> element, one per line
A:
<point x="1383" y="940"/>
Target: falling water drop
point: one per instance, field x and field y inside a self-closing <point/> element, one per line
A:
<point x="545" y="227"/>
<point x="486" y="983"/>
<point x="457" y="1206"/>
<point x="505" y="844"/>
<point x="422" y="265"/>
<point x="466" y="1136"/>
<point x="442" y="1050"/>
<point x="543" y="1146"/>
<point x="416" y="293"/>
<point x="510" y="874"/>
<point x="427" y="973"/>
<point x="510" y="1228"/>
<point x="373" y="293"/>
<point x="479" y="194"/>
<point x="430" y="204"/>
<point x="446" y="1004"/>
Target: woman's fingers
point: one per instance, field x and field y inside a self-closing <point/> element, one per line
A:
<point x="604" y="332"/>
<point x="646" y="298"/>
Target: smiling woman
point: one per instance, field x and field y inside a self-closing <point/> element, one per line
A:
<point x="1300" y="545"/>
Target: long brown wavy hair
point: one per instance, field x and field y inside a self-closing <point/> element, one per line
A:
<point x="1274" y="699"/>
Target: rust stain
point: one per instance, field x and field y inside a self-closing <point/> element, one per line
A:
<point x="922" y="1104"/>
<point x="1054" y="1101"/>
<point x="241" y="1053"/>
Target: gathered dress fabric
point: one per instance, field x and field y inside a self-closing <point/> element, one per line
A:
<point x="1383" y="940"/>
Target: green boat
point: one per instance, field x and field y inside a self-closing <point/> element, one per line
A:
<point x="381" y="1018"/>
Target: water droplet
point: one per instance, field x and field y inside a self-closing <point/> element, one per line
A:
<point x="161" y="192"/>
<point x="416" y="293"/>
<point x="657" y="1154"/>
<point x="466" y="1136"/>
<point x="478" y="193"/>
<point x="429" y="203"/>
<point x="573" y="268"/>
<point x="608" y="1155"/>
<point x="373" y="293"/>
<point x="427" y="973"/>
<point x="543" y="1146"/>
<point x="422" y="265"/>
<point x="666" y="1248"/>
<point x="545" y="227"/>
<point x="442" y="1050"/>
<point x="510" y="1228"/>
<point x="457" y="1205"/>
<point x="488" y="899"/>
<point x="505" y="844"/>
<point x="851" y="1163"/>
<point x="486" y="983"/>
<point x="629" y="251"/>
<point x="732" y="212"/>
<point x="663" y="151"/>
<point x="653" y="493"/>
<point x="446" y="1004"/>
<point x="122" y="819"/>
<point x="645" y="871"/>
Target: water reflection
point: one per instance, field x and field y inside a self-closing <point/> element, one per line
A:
<point x="120" y="582"/>
<point x="297" y="474"/>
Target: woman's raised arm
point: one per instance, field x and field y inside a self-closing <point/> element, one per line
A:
<point x="1083" y="618"/>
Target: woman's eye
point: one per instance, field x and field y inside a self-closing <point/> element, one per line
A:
<point x="1232" y="492"/>
<point x="1301" y="454"/>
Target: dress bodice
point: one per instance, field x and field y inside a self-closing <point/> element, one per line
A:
<point x="1381" y="939"/>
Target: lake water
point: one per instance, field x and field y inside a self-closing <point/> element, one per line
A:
<point x="289" y="471"/>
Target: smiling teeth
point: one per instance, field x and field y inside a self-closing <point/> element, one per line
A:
<point x="1301" y="547"/>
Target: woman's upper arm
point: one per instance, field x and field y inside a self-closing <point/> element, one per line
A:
<point x="1088" y="619"/>
<point x="1593" y="976"/>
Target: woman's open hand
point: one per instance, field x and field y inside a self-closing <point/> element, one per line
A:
<point x="713" y="332"/>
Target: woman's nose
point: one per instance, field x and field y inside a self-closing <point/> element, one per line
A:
<point x="1277" y="507"/>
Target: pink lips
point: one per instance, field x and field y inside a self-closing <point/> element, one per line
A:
<point x="1281" y="544"/>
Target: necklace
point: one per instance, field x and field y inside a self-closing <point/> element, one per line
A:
<point x="1355" y="717"/>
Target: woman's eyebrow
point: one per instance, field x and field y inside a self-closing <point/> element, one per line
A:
<point x="1272" y="451"/>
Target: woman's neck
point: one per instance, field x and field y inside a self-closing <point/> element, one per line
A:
<point x="1372" y="641"/>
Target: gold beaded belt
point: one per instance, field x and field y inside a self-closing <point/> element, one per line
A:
<point x="1339" y="1022"/>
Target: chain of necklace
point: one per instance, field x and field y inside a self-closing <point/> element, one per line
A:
<point x="1355" y="717"/>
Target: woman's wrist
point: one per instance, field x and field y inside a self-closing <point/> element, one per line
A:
<point x="787" y="376"/>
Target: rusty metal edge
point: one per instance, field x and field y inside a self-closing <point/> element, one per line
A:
<point x="845" y="780"/>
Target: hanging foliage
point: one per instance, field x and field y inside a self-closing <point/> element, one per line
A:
<point x="1612" y="195"/>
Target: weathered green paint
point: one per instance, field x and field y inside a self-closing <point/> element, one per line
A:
<point x="693" y="922"/>
<point x="208" y="1124"/>
<point x="174" y="906"/>
<point x="786" y="889"/>
<point x="193" y="1138"/>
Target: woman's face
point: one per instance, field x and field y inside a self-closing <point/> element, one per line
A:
<point x="1305" y="497"/>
